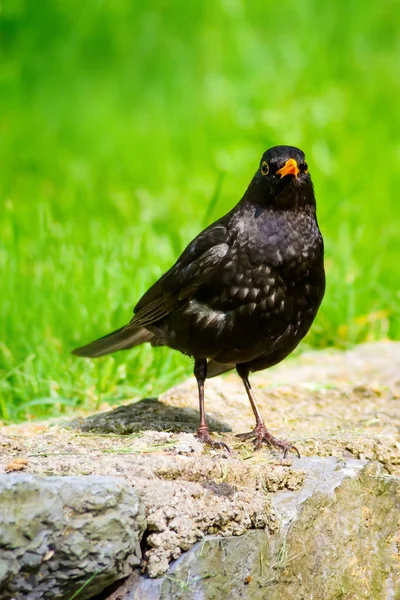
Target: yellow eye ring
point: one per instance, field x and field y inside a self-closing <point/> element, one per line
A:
<point x="264" y="168"/>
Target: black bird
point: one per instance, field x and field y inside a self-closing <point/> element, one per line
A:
<point x="244" y="292"/>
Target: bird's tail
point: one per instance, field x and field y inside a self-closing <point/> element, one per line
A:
<point x="121" y="339"/>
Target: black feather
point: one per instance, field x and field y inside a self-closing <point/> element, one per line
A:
<point x="120" y="339"/>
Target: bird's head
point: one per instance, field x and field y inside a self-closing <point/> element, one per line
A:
<point x="282" y="180"/>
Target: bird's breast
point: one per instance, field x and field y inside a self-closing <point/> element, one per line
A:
<point x="273" y="277"/>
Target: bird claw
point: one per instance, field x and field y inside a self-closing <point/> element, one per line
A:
<point x="203" y="435"/>
<point x="261" y="434"/>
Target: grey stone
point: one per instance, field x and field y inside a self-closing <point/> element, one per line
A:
<point x="58" y="534"/>
<point x="338" y="538"/>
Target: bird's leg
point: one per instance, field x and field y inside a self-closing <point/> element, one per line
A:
<point x="260" y="432"/>
<point x="203" y="433"/>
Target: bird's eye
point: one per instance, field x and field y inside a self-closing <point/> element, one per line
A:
<point x="264" y="168"/>
<point x="304" y="167"/>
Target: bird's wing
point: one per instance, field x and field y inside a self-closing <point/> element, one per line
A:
<point x="195" y="267"/>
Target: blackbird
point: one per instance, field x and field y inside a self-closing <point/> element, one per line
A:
<point x="244" y="292"/>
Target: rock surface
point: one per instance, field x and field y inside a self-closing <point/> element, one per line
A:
<point x="344" y="405"/>
<point x="185" y="495"/>
<point x="59" y="533"/>
<point x="327" y="403"/>
<point x="338" y="537"/>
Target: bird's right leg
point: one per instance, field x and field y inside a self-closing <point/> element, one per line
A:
<point x="203" y="433"/>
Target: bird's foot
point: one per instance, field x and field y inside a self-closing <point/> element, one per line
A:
<point x="204" y="436"/>
<point x="261" y="434"/>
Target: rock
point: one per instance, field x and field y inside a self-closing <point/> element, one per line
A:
<point x="338" y="538"/>
<point x="341" y="409"/>
<point x="185" y="496"/>
<point x="58" y="534"/>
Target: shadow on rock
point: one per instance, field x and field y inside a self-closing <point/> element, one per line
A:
<point x="147" y="414"/>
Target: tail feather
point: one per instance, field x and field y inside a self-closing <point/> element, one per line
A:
<point x="121" y="339"/>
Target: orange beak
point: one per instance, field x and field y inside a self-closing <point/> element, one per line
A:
<point x="289" y="168"/>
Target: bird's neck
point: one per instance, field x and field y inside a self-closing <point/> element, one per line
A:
<point x="258" y="208"/>
<point x="293" y="197"/>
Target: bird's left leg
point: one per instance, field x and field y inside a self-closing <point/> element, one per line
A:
<point x="260" y="432"/>
<point x="203" y="433"/>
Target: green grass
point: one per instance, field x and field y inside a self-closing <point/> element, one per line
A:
<point x="125" y="126"/>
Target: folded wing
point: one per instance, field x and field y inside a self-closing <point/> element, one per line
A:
<point x="194" y="268"/>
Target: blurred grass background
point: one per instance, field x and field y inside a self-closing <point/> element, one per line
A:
<point x="125" y="127"/>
